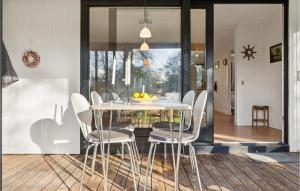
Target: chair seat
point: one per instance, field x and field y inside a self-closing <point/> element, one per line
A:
<point x="116" y="136"/>
<point x="165" y="125"/>
<point x="122" y="126"/>
<point x="166" y="136"/>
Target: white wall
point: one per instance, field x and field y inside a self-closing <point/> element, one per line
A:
<point x="262" y="80"/>
<point x="274" y="74"/>
<point x="37" y="116"/>
<point x="294" y="66"/>
<point x="222" y="97"/>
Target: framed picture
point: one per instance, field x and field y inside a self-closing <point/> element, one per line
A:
<point x="225" y="62"/>
<point x="217" y="65"/>
<point x="276" y="53"/>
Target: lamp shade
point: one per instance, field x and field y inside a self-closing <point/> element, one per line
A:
<point x="145" y="32"/>
<point x="144" y="46"/>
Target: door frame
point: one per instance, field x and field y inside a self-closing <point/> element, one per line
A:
<point x="285" y="5"/>
<point x="207" y="135"/>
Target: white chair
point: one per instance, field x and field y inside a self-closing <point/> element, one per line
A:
<point x="97" y="100"/>
<point x="160" y="136"/>
<point x="100" y="136"/>
<point x="188" y="99"/>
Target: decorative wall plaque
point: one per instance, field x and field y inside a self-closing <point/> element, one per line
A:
<point x="249" y="52"/>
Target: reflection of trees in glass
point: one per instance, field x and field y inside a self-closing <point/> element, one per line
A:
<point x="140" y="73"/>
<point x="172" y="73"/>
<point x="119" y="69"/>
<point x="160" y="76"/>
<point x="97" y="72"/>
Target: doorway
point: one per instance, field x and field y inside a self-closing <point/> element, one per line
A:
<point x="248" y="73"/>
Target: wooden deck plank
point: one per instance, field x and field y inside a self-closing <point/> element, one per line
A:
<point x="121" y="176"/>
<point x="240" y="174"/>
<point x="20" y="163"/>
<point x="169" y="172"/>
<point x="21" y="176"/>
<point x="227" y="174"/>
<point x="291" y="182"/>
<point x="207" y="179"/>
<point x="157" y="175"/>
<point x="63" y="171"/>
<point x="217" y="176"/>
<point x="278" y="179"/>
<point x="284" y="172"/>
<point x="218" y="172"/>
<point x="261" y="178"/>
<point x="192" y="177"/>
<point x="35" y="183"/>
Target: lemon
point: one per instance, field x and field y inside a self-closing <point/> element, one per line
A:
<point x="136" y="95"/>
<point x="146" y="96"/>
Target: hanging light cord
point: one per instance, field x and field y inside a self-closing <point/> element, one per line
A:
<point x="145" y="15"/>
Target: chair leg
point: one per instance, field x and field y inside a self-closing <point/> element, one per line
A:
<point x="165" y="151"/>
<point x="132" y="166"/>
<point x="137" y="151"/>
<point x="196" y="166"/>
<point x="192" y="160"/>
<point x="136" y="167"/>
<point x="84" y="165"/>
<point x="148" y="165"/>
<point x="94" y="159"/>
<point x="153" y="156"/>
<point x="122" y="151"/>
<point x="136" y="157"/>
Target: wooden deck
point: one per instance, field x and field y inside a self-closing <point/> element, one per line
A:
<point x="218" y="172"/>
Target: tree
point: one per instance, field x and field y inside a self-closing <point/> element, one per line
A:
<point x="172" y="73"/>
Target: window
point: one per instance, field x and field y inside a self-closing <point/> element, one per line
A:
<point x="114" y="33"/>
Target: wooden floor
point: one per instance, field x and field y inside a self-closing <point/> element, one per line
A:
<point x="226" y="131"/>
<point x="218" y="172"/>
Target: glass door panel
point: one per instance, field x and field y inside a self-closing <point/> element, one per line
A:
<point x="198" y="53"/>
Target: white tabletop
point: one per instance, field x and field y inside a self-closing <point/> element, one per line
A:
<point x="135" y="106"/>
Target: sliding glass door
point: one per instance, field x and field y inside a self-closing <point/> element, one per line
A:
<point x="114" y="33"/>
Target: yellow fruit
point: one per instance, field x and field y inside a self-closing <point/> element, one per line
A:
<point x="136" y="95"/>
<point x="146" y="96"/>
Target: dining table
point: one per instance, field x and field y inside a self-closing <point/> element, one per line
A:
<point x="158" y="105"/>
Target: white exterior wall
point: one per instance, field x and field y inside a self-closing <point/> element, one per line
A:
<point x="37" y="115"/>
<point x="294" y="84"/>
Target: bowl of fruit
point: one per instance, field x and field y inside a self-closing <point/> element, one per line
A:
<point x="143" y="97"/>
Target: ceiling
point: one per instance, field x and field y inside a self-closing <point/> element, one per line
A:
<point x="165" y="23"/>
<point x="227" y="16"/>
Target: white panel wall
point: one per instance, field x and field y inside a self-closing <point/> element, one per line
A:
<point x="37" y="115"/>
<point x="274" y="74"/>
<point x="294" y="84"/>
<point x="222" y="97"/>
<point x="262" y="80"/>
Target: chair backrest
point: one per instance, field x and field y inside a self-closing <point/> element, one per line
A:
<point x="188" y="99"/>
<point x="116" y="97"/>
<point x="96" y="98"/>
<point x="84" y="114"/>
<point x="198" y="113"/>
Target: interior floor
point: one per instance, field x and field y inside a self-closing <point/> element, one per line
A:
<point x="226" y="131"/>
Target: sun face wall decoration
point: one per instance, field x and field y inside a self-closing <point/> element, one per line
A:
<point x="249" y="52"/>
